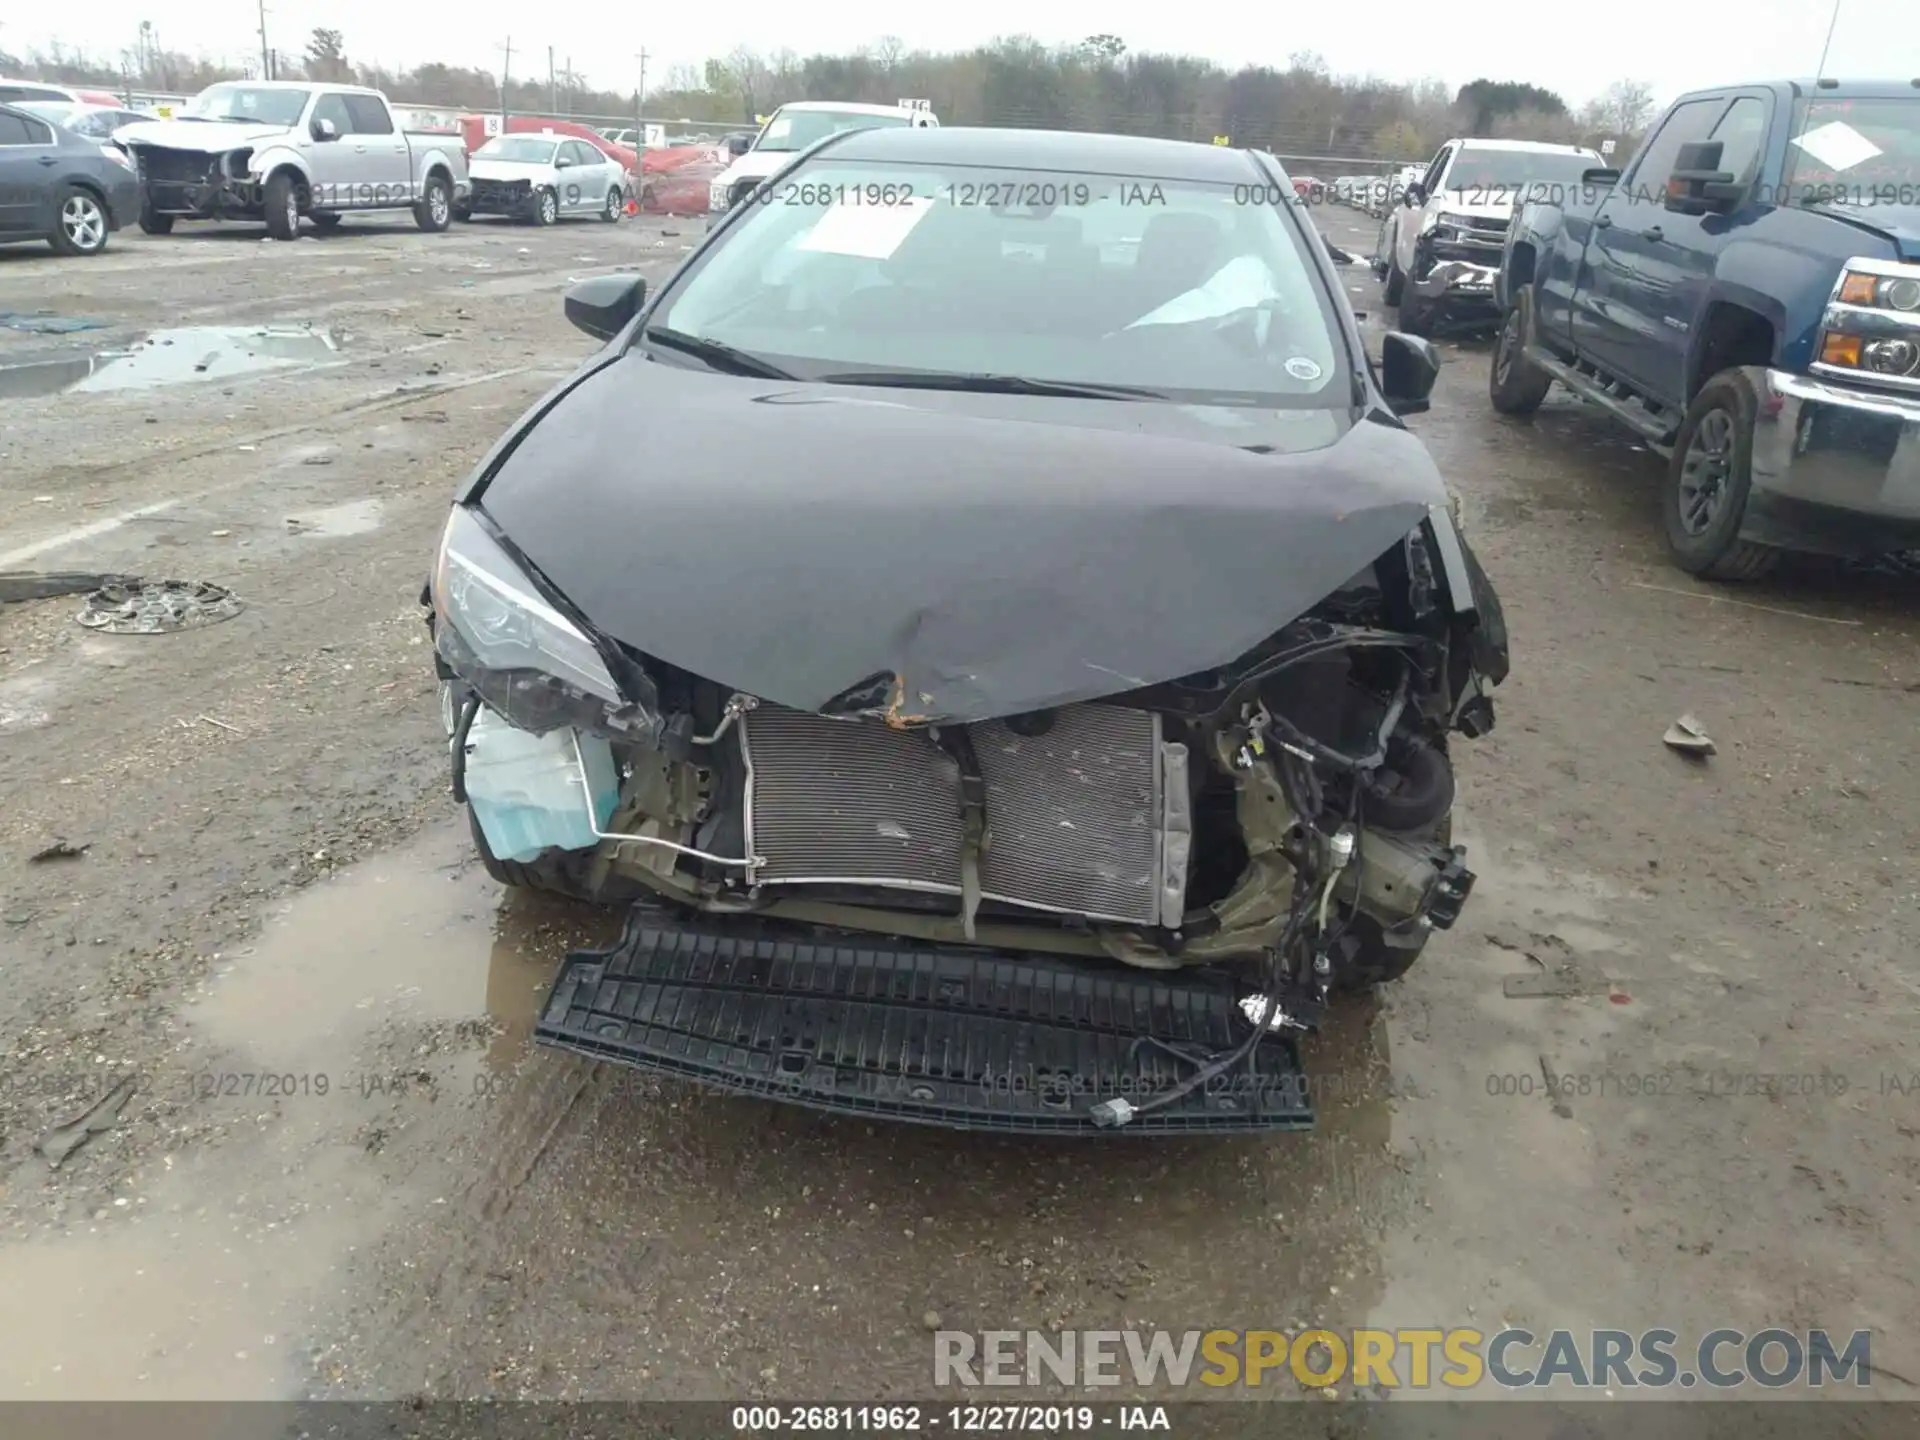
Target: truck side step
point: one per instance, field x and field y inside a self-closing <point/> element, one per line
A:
<point x="965" y="1039"/>
<point x="1612" y="396"/>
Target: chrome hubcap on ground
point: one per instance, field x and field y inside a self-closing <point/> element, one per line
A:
<point x="1704" y="471"/>
<point x="85" y="226"/>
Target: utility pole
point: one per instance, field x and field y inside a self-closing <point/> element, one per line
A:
<point x="506" y="69"/>
<point x="266" y="56"/>
<point x="639" y="98"/>
<point x="573" y="83"/>
<point x="553" y="91"/>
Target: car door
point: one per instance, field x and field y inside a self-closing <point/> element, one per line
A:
<point x="332" y="162"/>
<point x="1625" y="299"/>
<point x="27" y="160"/>
<point x="607" y="173"/>
<point x="586" y="187"/>
<point x="1407" y="226"/>
<point x="380" y="152"/>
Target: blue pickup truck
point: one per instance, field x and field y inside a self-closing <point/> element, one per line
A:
<point x="1745" y="296"/>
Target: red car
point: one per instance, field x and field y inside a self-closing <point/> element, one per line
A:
<point x="1308" y="188"/>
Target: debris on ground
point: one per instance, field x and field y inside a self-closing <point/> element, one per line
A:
<point x="1550" y="985"/>
<point x="1689" y="737"/>
<point x="59" y="850"/>
<point x="61" y="1141"/>
<point x="152" y="607"/>
<point x="18" y="585"/>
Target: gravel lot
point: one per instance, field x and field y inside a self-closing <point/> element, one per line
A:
<point x="277" y="883"/>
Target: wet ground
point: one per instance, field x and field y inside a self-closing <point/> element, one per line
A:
<point x="275" y="1017"/>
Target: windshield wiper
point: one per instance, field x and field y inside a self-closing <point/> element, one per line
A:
<point x="714" y="353"/>
<point x="989" y="384"/>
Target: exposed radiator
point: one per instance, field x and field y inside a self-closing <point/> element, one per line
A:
<point x="1089" y="818"/>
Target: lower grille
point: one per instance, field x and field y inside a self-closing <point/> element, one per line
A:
<point x="499" y="194"/>
<point x="1088" y="818"/>
<point x="175" y="167"/>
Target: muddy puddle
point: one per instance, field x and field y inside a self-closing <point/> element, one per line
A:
<point x="327" y="1064"/>
<point x="187" y="356"/>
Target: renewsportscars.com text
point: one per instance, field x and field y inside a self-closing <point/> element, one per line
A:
<point x="1416" y="1359"/>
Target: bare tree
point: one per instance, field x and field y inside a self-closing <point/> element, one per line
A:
<point x="1624" y="108"/>
<point x="887" y="51"/>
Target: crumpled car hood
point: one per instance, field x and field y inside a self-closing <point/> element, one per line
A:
<point x="976" y="555"/>
<point x="215" y="137"/>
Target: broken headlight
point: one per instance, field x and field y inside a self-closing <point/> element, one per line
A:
<point x="496" y="632"/>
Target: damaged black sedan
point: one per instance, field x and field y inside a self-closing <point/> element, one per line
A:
<point x="987" y="617"/>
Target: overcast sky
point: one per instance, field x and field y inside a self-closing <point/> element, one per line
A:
<point x="1674" y="45"/>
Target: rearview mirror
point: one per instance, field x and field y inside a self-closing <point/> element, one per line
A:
<point x="325" y="130"/>
<point x="604" y="305"/>
<point x="1698" y="186"/>
<point x="1408" y="368"/>
<point x="738" y="145"/>
<point x="1600" y="176"/>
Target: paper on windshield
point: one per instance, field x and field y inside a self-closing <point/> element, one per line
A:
<point x="870" y="231"/>
<point x="1236" y="285"/>
<point x="1837" y="145"/>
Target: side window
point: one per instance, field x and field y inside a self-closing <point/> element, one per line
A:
<point x="1742" y="132"/>
<point x="585" y="154"/>
<point x="576" y="151"/>
<point x="1690" y="122"/>
<point x="13" y="131"/>
<point x="1434" y="171"/>
<point x="38" y="132"/>
<point x="334" y="108"/>
<point x="369" y="115"/>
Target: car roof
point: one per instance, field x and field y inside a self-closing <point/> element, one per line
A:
<point x="847" y="107"/>
<point x="300" y="85"/>
<point x="1066" y="151"/>
<point x="1537" y="146"/>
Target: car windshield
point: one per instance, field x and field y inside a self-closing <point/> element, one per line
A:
<point x="517" y="147"/>
<point x="797" y="129"/>
<point x="266" y="104"/>
<point x="60" y="112"/>
<point x="1181" y="289"/>
<point x="1864" y="152"/>
<point x="1497" y="174"/>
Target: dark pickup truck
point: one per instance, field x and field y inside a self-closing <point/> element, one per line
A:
<point x="1746" y="296"/>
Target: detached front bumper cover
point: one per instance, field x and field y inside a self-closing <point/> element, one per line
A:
<point x="963" y="1039"/>
<point x="1461" y="279"/>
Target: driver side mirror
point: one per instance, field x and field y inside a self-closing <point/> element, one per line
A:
<point x="1698" y="186"/>
<point x="325" y="130"/>
<point x="563" y="162"/>
<point x="604" y="305"/>
<point x="738" y="145"/>
<point x="1408" y="368"/>
<point x="1416" y="194"/>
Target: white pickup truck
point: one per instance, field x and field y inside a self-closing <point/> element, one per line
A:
<point x="791" y="129"/>
<point x="277" y="150"/>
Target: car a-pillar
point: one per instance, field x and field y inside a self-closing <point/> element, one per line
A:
<point x="1710" y="474"/>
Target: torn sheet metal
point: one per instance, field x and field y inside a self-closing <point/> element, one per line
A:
<point x="797" y="542"/>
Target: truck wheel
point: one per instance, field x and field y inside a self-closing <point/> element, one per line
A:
<point x="155" y="224"/>
<point x="79" y="222"/>
<point x="1396" y="280"/>
<point x="616" y="204"/>
<point x="1516" y="384"/>
<point x="282" y="204"/>
<point x="1708" y="480"/>
<point x="434" y="213"/>
<point x="546" y="208"/>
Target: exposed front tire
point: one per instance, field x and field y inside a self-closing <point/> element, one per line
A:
<point x="1396" y="280"/>
<point x="1417" y="313"/>
<point x="434" y="212"/>
<point x="546" y="208"/>
<point x="554" y="871"/>
<point x="1708" y="481"/>
<point x="282" y="204"/>
<point x="155" y="224"/>
<point x="1515" y="384"/>
<point x="79" y="222"/>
